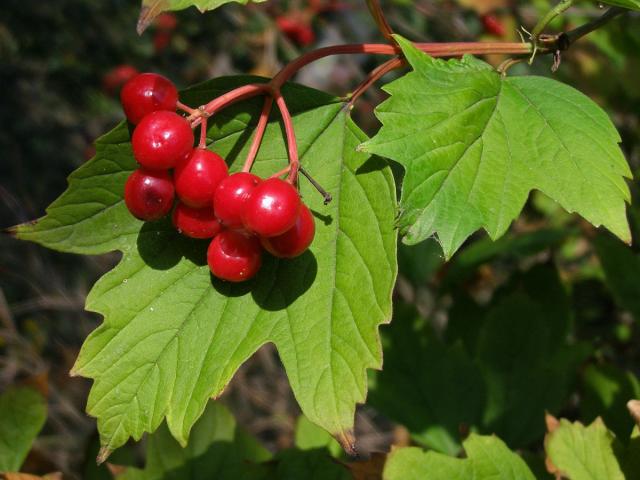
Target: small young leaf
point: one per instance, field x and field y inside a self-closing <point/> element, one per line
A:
<point x="583" y="453"/>
<point x="475" y="143"/>
<point x="23" y="412"/>
<point x="488" y="458"/>
<point x="173" y="336"/>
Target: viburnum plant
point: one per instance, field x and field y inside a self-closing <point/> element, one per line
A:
<point x="290" y="237"/>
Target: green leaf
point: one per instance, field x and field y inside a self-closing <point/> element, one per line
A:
<point x="430" y="388"/>
<point x="583" y="453"/>
<point x="526" y="361"/>
<point x="308" y="436"/>
<point x="23" y="412"/>
<point x="314" y="464"/>
<point x="475" y="143"/>
<point x="152" y="8"/>
<point x="488" y="458"/>
<point x="217" y="449"/>
<point x="630" y="4"/>
<point x="173" y="336"/>
<point x="463" y="265"/>
<point x="621" y="267"/>
<point x="606" y="391"/>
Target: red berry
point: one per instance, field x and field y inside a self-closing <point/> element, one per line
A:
<point x="161" y="140"/>
<point x="196" y="222"/>
<point x="149" y="194"/>
<point x="272" y="208"/>
<point x="296" y="29"/>
<point x="146" y="93"/>
<point x="295" y="240"/>
<point x="117" y="77"/>
<point x="166" y="21"/>
<point x="198" y="176"/>
<point x="493" y="25"/>
<point x="234" y="256"/>
<point x="161" y="41"/>
<point x="230" y="197"/>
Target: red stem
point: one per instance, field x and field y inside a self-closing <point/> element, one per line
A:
<point x="375" y="75"/>
<point x="292" y="147"/>
<point x="186" y="108"/>
<point x="380" y="19"/>
<point x="453" y="49"/>
<point x="203" y="133"/>
<point x="257" y="139"/>
<point x="229" y="98"/>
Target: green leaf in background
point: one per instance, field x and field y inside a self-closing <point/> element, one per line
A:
<point x="23" y="412"/>
<point x="511" y="246"/>
<point x="583" y="453"/>
<point x="606" y="391"/>
<point x="152" y="8"/>
<point x="475" y="143"/>
<point x="308" y="436"/>
<point x="431" y="388"/>
<point x="630" y="4"/>
<point x="173" y="336"/>
<point x="526" y="360"/>
<point x="488" y="458"/>
<point x="621" y="267"/>
<point x="217" y="449"/>
<point x="314" y="464"/>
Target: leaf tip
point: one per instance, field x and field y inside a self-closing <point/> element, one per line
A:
<point x="348" y="442"/>
<point x="103" y="454"/>
<point x="148" y="13"/>
<point x="551" y="422"/>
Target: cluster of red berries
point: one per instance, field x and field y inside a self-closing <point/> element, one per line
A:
<point x="242" y="213"/>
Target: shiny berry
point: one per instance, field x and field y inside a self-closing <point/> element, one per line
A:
<point x="197" y="177"/>
<point x="149" y="194"/>
<point x="230" y="197"/>
<point x="146" y="93"/>
<point x="195" y="222"/>
<point x="272" y="208"/>
<point x="161" y="140"/>
<point x="294" y="241"/>
<point x="234" y="256"/>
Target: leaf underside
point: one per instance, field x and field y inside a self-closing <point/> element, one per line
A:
<point x="152" y="8"/>
<point x="474" y="144"/>
<point x="173" y="336"/>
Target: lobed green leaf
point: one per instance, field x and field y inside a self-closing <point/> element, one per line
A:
<point x="173" y="336"/>
<point x="475" y="143"/>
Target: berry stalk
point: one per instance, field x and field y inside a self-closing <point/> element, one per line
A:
<point x="257" y="138"/>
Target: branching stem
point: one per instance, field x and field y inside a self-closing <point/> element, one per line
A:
<point x="292" y="146"/>
<point x="257" y="138"/>
<point x="375" y="75"/>
<point x="378" y="16"/>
